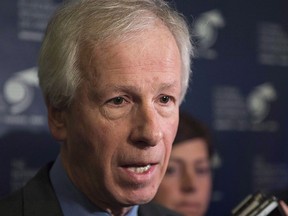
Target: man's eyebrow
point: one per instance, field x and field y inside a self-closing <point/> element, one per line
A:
<point x="125" y="87"/>
<point x="120" y="87"/>
<point x="171" y="85"/>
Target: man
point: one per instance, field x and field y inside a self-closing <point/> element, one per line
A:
<point x="113" y="74"/>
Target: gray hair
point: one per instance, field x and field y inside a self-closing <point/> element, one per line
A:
<point x="92" y="22"/>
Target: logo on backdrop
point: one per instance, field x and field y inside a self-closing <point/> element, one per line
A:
<point x="206" y="28"/>
<point x="259" y="102"/>
<point x="20" y="173"/>
<point x="33" y="16"/>
<point x="18" y="91"/>
<point x="266" y="172"/>
<point x="234" y="111"/>
<point x="17" y="97"/>
<point x="272" y="44"/>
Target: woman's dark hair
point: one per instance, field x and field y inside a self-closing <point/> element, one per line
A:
<point x="191" y="128"/>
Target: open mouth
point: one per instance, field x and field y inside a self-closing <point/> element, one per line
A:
<point x="139" y="169"/>
<point x="139" y="174"/>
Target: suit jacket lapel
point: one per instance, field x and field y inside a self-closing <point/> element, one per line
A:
<point x="39" y="197"/>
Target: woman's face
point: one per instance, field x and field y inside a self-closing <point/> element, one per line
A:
<point x="186" y="186"/>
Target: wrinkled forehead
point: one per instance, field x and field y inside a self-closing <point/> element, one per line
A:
<point x="93" y="54"/>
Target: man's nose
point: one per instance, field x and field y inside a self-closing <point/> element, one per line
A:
<point x="146" y="126"/>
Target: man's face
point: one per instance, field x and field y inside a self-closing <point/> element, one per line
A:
<point x="119" y="130"/>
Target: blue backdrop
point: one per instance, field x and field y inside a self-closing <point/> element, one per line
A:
<point x="238" y="89"/>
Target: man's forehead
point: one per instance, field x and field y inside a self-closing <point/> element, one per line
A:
<point x="170" y="84"/>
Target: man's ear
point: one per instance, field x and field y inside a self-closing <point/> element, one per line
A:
<point x="57" y="122"/>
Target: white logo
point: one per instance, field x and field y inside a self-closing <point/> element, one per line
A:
<point x="258" y="102"/>
<point x="18" y="90"/>
<point x="206" y="28"/>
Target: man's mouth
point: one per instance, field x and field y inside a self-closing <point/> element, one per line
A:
<point x="139" y="169"/>
<point x="139" y="173"/>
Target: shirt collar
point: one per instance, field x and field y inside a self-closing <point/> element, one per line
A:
<point x="72" y="201"/>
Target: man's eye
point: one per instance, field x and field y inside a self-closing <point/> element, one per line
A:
<point x="117" y="100"/>
<point x="165" y="99"/>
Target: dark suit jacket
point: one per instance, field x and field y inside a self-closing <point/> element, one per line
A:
<point x="37" y="198"/>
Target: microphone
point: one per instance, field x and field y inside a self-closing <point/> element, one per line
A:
<point x="258" y="204"/>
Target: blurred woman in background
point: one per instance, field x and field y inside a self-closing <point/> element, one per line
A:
<point x="187" y="184"/>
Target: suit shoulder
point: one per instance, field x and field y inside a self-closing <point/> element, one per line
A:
<point x="12" y="205"/>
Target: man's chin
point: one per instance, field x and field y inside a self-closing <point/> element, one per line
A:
<point x="139" y="198"/>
